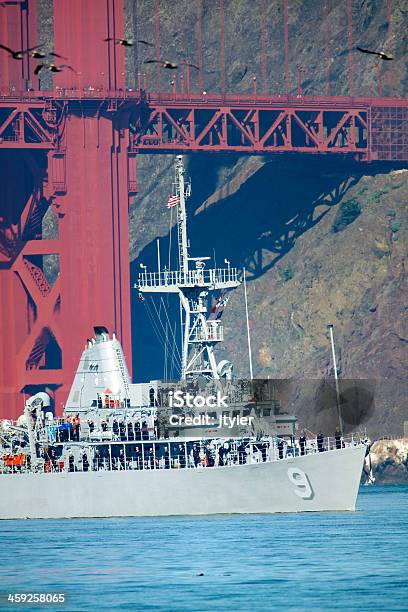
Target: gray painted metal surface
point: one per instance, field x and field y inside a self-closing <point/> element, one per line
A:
<point x="319" y="482"/>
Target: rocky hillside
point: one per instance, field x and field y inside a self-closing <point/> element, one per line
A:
<point x="389" y="459"/>
<point x="243" y="44"/>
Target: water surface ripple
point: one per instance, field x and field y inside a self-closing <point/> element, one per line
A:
<point x="316" y="561"/>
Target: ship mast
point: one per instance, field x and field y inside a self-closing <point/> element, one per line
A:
<point x="183" y="193"/>
<point x="193" y="283"/>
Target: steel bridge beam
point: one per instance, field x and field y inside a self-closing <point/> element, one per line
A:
<point x="368" y="129"/>
<point x="259" y="130"/>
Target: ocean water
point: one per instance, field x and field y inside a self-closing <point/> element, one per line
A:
<point x="316" y="561"/>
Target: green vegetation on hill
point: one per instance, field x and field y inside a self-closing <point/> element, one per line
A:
<point x="347" y="213"/>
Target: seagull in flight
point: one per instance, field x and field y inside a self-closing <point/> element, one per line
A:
<point x="170" y="65"/>
<point x="124" y="42"/>
<point x="53" y="68"/>
<point x="18" y="55"/>
<point x="380" y="54"/>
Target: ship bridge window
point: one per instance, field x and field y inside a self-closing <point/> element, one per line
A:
<point x="93" y="367"/>
<point x="246" y="412"/>
<point x="212" y="415"/>
<point x="236" y="413"/>
<point x="225" y="413"/>
<point x="266" y="412"/>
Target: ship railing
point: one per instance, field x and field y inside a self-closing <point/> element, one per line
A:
<point x="215" y="333"/>
<point x="68" y="434"/>
<point x="192" y="278"/>
<point x="161" y="454"/>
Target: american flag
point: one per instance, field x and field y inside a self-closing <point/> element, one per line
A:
<point x="172" y="201"/>
<point x="218" y="307"/>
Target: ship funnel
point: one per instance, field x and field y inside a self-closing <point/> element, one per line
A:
<point x="101" y="372"/>
<point x="101" y="333"/>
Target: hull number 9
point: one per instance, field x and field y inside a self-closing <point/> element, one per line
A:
<point x="303" y="487"/>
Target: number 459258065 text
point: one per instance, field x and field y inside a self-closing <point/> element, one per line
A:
<point x="40" y="598"/>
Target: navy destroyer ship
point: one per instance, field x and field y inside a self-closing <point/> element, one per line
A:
<point x="205" y="444"/>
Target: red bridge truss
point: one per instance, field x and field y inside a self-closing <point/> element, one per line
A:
<point x="367" y="128"/>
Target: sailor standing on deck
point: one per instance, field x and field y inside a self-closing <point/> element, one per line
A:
<point x="85" y="462"/>
<point x="145" y="431"/>
<point x="130" y="433"/>
<point x="91" y="427"/>
<point x="69" y="435"/>
<point x="302" y="443"/>
<point x="221" y="453"/>
<point x="241" y="453"/>
<point x="280" y="448"/>
<point x="76" y="422"/>
<point x="337" y="438"/>
<point x="71" y="463"/>
<point x="156" y="428"/>
<point x="138" y="458"/>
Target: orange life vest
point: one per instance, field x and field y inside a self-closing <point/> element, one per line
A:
<point x="14" y="460"/>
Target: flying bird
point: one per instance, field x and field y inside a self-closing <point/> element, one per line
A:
<point x="170" y="65"/>
<point x="18" y="55"/>
<point x="53" y="68"/>
<point x="37" y="54"/>
<point x="380" y="54"/>
<point x="128" y="43"/>
<point x="120" y="41"/>
<point x="163" y="64"/>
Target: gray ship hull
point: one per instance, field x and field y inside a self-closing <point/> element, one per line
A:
<point x="318" y="482"/>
